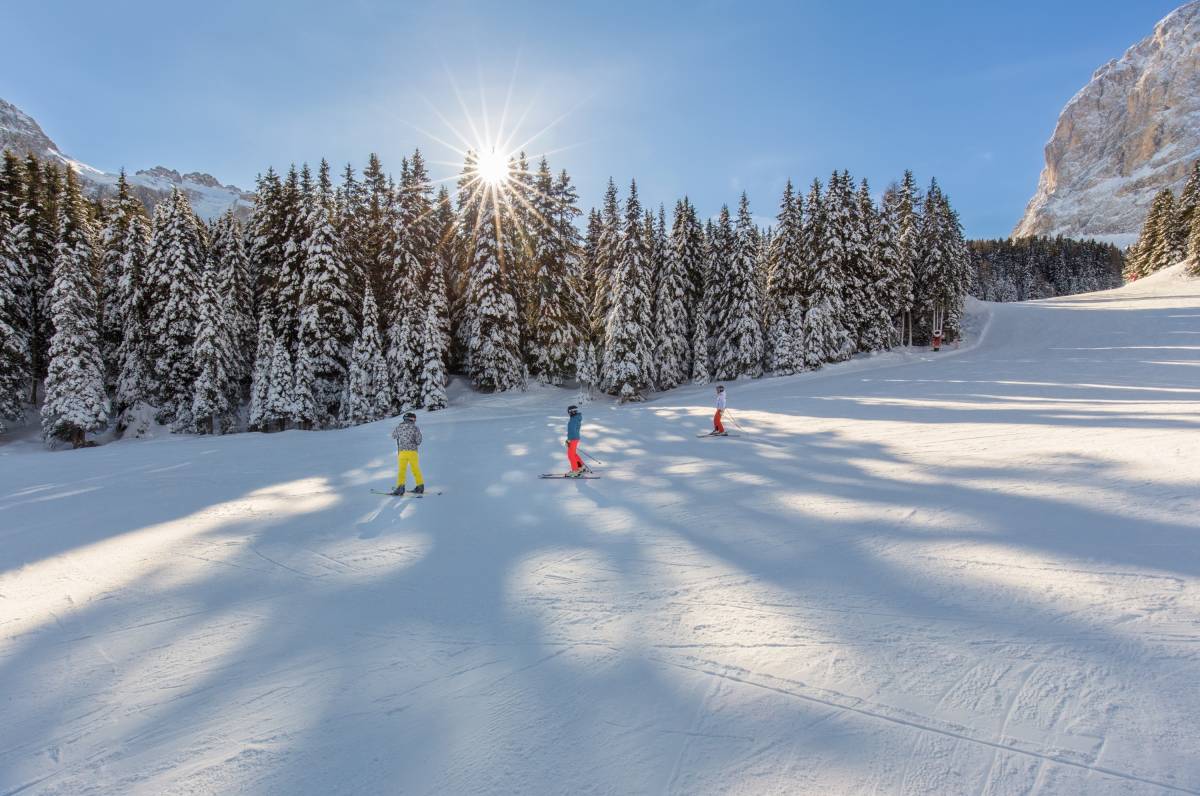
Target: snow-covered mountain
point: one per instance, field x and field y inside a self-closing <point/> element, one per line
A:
<point x="1133" y="130"/>
<point x="21" y="133"/>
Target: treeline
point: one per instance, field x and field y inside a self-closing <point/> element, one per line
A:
<point x="1021" y="269"/>
<point x="338" y="304"/>
<point x="1171" y="232"/>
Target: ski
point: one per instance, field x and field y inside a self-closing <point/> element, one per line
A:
<point x="560" y="475"/>
<point x="406" y="494"/>
<point x="702" y="436"/>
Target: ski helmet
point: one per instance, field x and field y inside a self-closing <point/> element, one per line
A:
<point x="572" y="409"/>
<point x="720" y="388"/>
<point x="410" y="417"/>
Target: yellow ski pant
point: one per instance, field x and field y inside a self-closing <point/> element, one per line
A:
<point x="406" y="459"/>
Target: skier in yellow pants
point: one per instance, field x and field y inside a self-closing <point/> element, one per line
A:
<point x="408" y="439"/>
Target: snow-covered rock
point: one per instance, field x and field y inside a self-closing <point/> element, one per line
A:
<point x="21" y="133"/>
<point x="1133" y="130"/>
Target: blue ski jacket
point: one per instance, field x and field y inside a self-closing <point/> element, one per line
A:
<point x="573" y="426"/>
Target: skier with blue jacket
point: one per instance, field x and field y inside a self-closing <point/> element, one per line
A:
<point x="574" y="425"/>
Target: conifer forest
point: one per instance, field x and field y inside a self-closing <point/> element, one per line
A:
<point x="340" y="300"/>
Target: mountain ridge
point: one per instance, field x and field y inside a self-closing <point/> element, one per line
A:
<point x="210" y="198"/>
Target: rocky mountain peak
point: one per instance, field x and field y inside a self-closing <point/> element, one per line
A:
<point x="1131" y="131"/>
<point x="21" y="133"/>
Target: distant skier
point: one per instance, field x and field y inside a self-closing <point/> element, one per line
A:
<point x="574" y="424"/>
<point x="718" y="426"/>
<point x="408" y="439"/>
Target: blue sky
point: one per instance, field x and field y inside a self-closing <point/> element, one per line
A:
<point x="706" y="99"/>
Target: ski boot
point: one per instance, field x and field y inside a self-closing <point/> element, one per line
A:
<point x="419" y="489"/>
<point x="398" y="491"/>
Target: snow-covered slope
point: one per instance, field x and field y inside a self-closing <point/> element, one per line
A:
<point x="969" y="572"/>
<point x="22" y="134"/>
<point x="1133" y="130"/>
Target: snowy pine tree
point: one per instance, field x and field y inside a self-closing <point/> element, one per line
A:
<point x="1156" y="245"/>
<point x="687" y="245"/>
<point x="909" y="225"/>
<point x="462" y="314"/>
<point x="235" y="288"/>
<point x="699" y="346"/>
<point x="33" y="240"/>
<point x="587" y="370"/>
<point x="326" y="320"/>
<point x="14" y="287"/>
<point x="738" y="341"/>
<point x="264" y="243"/>
<point x="605" y="260"/>
<point x="369" y="392"/>
<point x="520" y="222"/>
<point x="673" y="349"/>
<point x="114" y="237"/>
<point x="886" y="252"/>
<point x="175" y="265"/>
<point x="412" y="257"/>
<point x="260" y="382"/>
<point x="1186" y="207"/>
<point x="591" y="248"/>
<point x="873" y="318"/>
<point x="493" y="339"/>
<point x="785" y="289"/>
<point x="1194" y="243"/>
<point x="718" y="248"/>
<point x="435" y="341"/>
<point x="212" y="355"/>
<point x="75" y="400"/>
<point x="307" y="412"/>
<point x="433" y="377"/>
<point x="296" y="197"/>
<point x="377" y="222"/>
<point x="942" y="267"/>
<point x="570" y="243"/>
<point x="825" y="337"/>
<point x="281" y="406"/>
<point x="855" y="269"/>
<point x="1170" y="237"/>
<point x="553" y="334"/>
<point x="627" y="370"/>
<point x="14" y="340"/>
<point x="130" y="304"/>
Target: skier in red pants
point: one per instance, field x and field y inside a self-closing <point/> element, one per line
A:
<point x="573" y="429"/>
<point x="718" y="426"/>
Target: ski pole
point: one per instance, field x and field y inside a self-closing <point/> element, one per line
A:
<point x="590" y="456"/>
<point x="735" y="422"/>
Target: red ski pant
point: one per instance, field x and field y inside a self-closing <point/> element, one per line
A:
<point x="717" y="425"/>
<point x="573" y="454"/>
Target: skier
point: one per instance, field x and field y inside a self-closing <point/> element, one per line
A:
<point x="718" y="426"/>
<point x="408" y="439"/>
<point x="574" y="423"/>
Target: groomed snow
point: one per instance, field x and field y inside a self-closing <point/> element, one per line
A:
<point x="973" y="571"/>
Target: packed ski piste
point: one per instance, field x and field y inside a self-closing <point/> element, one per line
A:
<point x="969" y="571"/>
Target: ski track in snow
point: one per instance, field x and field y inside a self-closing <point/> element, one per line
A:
<point x="974" y="571"/>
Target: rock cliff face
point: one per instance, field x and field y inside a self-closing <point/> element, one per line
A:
<point x="1133" y="130"/>
<point x="21" y="133"/>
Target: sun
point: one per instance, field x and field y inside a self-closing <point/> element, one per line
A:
<point x="492" y="167"/>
